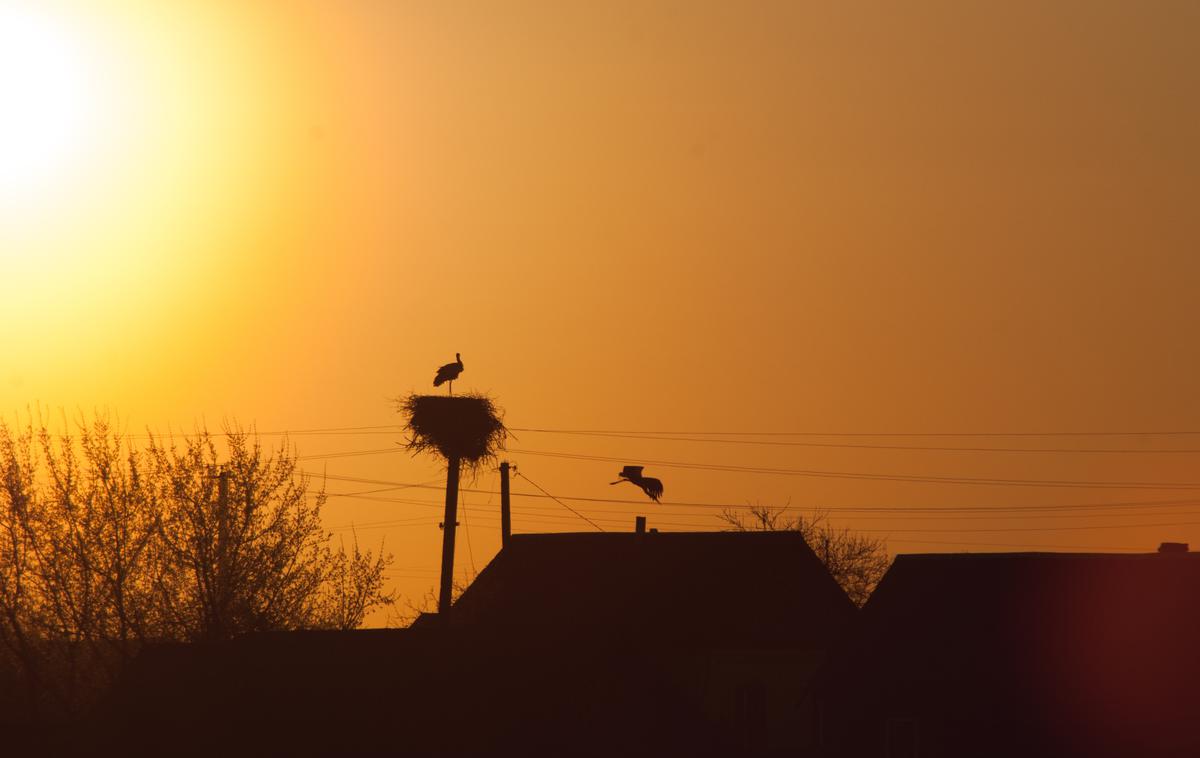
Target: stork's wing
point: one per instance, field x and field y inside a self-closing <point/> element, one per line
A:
<point x="449" y="372"/>
<point x="653" y="487"/>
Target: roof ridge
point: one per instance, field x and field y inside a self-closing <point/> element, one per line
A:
<point x="1036" y="554"/>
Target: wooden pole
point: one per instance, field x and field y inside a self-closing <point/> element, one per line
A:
<point x="448" y="526"/>
<point x="505" y="507"/>
<point x="222" y="512"/>
<point x="221" y="596"/>
<point x="639" y="525"/>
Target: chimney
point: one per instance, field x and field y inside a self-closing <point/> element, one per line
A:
<point x="1173" y="547"/>
<point x="640" y="525"/>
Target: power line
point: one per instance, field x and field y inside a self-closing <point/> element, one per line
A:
<point x="935" y="530"/>
<point x="551" y="520"/>
<point x="394" y="500"/>
<point x="865" y="476"/>
<point x="846" y="445"/>
<point x="902" y="540"/>
<point x="1137" y="508"/>
<point x="382" y="525"/>
<point x="532" y="514"/>
<point x="863" y="434"/>
<point x="395" y="429"/>
<point x="349" y="454"/>
<point x="428" y="484"/>
<point x="334" y="430"/>
<point x="535" y="514"/>
<point x="1033" y="528"/>
<point x="416" y="569"/>
<point x="564" y="505"/>
<point x="1021" y="545"/>
<point x="385" y="522"/>
<point x="462" y="498"/>
<point x="328" y="431"/>
<point x="948" y="515"/>
<point x="846" y="509"/>
<point x="527" y="517"/>
<point x="1022" y="516"/>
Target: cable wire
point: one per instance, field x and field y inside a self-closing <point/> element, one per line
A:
<point x="866" y="476"/>
<point x="349" y="454"/>
<point x="1022" y="545"/>
<point x="462" y="499"/>
<point x="564" y="505"/>
<point x="742" y="505"/>
<point x="869" y="434"/>
<point x="847" y="445"/>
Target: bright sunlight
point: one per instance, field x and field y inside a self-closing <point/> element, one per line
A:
<point x="145" y="148"/>
<point x="49" y="101"/>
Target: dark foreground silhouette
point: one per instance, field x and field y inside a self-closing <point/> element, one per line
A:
<point x="570" y="644"/>
<point x="1020" y="654"/>
<point x="703" y="644"/>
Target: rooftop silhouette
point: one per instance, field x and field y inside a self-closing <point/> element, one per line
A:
<point x="1021" y="654"/>
<point x="590" y="644"/>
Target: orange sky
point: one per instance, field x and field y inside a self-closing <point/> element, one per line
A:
<point x="653" y="216"/>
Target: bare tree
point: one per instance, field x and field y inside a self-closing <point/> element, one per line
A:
<point x="20" y="605"/>
<point x="91" y="531"/>
<point x="427" y="604"/>
<point x="855" y="561"/>
<point x="104" y="547"/>
<point x="354" y="586"/>
<point x="243" y="545"/>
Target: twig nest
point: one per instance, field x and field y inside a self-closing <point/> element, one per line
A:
<point x="466" y="427"/>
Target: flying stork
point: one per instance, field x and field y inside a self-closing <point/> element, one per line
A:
<point x="633" y="474"/>
<point x="449" y="373"/>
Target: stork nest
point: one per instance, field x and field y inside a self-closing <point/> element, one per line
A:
<point x="467" y="427"/>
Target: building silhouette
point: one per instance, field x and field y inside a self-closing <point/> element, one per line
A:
<point x="566" y="644"/>
<point x="1030" y="654"/>
<point x="728" y="643"/>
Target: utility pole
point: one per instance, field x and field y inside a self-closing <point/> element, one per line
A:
<point x="221" y="599"/>
<point x="448" y="526"/>
<point x="222" y="511"/>
<point x="505" y="507"/>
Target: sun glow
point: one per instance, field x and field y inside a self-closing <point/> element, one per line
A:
<point x="50" y="103"/>
<point x="148" y="152"/>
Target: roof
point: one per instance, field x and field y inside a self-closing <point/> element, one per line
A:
<point x="1072" y="592"/>
<point x="680" y="588"/>
<point x="1093" y="603"/>
<point x="601" y="642"/>
<point x="1070" y="644"/>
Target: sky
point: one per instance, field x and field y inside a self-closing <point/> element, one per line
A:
<point x="864" y="227"/>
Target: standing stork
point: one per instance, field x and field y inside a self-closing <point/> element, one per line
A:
<point x="449" y="373"/>
<point x="633" y="474"/>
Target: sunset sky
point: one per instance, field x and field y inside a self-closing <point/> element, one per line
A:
<point x="848" y="219"/>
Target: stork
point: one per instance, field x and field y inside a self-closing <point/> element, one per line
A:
<point x="449" y="373"/>
<point x="633" y="474"/>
